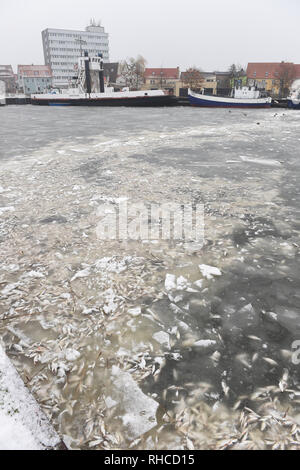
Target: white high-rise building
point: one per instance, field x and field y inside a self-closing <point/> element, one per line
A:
<point x="62" y="48"/>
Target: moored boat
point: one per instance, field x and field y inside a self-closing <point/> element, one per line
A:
<point x="108" y="98"/>
<point x="2" y="94"/>
<point x="90" y="90"/>
<point x="245" y="97"/>
<point x="294" y="99"/>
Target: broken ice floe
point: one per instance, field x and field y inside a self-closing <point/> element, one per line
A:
<point x="171" y="283"/>
<point x="199" y="284"/>
<point x="80" y="274"/>
<point x="9" y="288"/>
<point x="110" y="403"/>
<point x="261" y="161"/>
<point x="209" y="271"/>
<point x="162" y="338"/>
<point x="135" y="312"/>
<point x="139" y="411"/>
<point x="6" y="209"/>
<point x="113" y="265"/>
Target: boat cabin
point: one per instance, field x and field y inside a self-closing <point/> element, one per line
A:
<point x="246" y="92"/>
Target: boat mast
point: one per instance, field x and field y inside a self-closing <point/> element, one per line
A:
<point x="81" y="42"/>
<point x="101" y="74"/>
<point x="87" y="73"/>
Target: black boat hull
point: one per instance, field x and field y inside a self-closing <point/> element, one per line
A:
<point x="143" y="101"/>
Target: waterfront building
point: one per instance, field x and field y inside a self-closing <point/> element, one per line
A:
<point x="161" y="79"/>
<point x="7" y="76"/>
<point x="223" y="83"/>
<point x="34" y="79"/>
<point x="208" y="84"/>
<point x="62" y="47"/>
<point x="273" y="77"/>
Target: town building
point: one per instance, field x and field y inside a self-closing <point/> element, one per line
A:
<point x="208" y="84"/>
<point x="223" y="83"/>
<point x="7" y="76"/>
<point x="161" y="79"/>
<point x="34" y="79"/>
<point x="273" y="77"/>
<point x="238" y="79"/>
<point x="62" y="48"/>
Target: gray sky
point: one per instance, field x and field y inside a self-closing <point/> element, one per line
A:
<point x="210" y="34"/>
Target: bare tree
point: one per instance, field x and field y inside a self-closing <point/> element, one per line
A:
<point x="193" y="78"/>
<point x="233" y="71"/>
<point x="236" y="71"/>
<point x="236" y="75"/>
<point x="286" y="75"/>
<point x="132" y="72"/>
<point x="140" y="70"/>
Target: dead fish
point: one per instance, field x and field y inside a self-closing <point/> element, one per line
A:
<point x="254" y="338"/>
<point x="225" y="388"/>
<point x="283" y="384"/>
<point x="270" y="361"/>
<point x="244" y="359"/>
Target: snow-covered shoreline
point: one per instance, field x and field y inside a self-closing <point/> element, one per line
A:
<point x="23" y="426"/>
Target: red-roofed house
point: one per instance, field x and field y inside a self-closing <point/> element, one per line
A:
<point x="161" y="78"/>
<point x="297" y="71"/>
<point x="270" y="75"/>
<point x="34" y="78"/>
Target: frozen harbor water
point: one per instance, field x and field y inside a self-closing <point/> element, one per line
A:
<point x="205" y="334"/>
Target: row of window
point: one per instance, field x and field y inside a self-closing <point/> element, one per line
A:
<point x="62" y="49"/>
<point x="61" y="63"/>
<point x="76" y="36"/>
<point x="75" y="54"/>
<point x="153" y="81"/>
<point x="30" y="89"/>
<point x="267" y="74"/>
<point x="94" y="43"/>
<point x="33" y="80"/>
<point x="61" y="77"/>
<point x="66" y="71"/>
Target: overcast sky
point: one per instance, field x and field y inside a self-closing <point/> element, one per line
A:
<point x="210" y="34"/>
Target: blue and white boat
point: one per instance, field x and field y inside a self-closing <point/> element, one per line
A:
<point x="294" y="99"/>
<point x="245" y="97"/>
